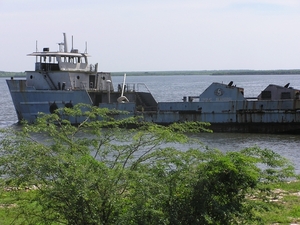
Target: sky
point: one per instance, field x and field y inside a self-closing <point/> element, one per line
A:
<point x="155" y="35"/>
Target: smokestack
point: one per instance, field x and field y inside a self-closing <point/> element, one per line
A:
<point x="65" y="43"/>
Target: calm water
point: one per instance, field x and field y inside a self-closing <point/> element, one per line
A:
<point x="173" y="88"/>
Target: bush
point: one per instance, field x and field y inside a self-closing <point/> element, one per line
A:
<point x="88" y="174"/>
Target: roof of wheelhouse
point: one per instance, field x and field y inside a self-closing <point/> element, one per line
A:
<point x="63" y="51"/>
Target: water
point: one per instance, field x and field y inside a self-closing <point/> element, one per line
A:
<point x="8" y="116"/>
<point x="173" y="88"/>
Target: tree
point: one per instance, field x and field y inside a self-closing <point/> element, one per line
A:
<point x="224" y="183"/>
<point x="127" y="172"/>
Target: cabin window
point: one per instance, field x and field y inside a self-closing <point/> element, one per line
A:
<point x="266" y="95"/>
<point x="286" y="95"/>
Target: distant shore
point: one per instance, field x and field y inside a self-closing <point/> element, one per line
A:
<point x="210" y="72"/>
<point x="184" y="72"/>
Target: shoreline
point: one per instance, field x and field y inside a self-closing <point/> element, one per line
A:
<point x="183" y="72"/>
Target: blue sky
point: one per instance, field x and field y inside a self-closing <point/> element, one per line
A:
<point x="155" y="35"/>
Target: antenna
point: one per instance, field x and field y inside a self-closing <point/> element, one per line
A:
<point x="85" y="51"/>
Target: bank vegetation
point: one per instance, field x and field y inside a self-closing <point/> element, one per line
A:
<point x="103" y="171"/>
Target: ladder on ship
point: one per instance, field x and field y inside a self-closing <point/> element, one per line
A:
<point x="49" y="80"/>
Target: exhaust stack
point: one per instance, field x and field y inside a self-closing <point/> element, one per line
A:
<point x="65" y="43"/>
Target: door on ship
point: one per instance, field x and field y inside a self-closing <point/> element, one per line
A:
<point x="92" y="82"/>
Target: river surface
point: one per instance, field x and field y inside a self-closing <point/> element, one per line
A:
<point x="173" y="88"/>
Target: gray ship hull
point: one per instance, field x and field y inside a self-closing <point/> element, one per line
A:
<point x="29" y="102"/>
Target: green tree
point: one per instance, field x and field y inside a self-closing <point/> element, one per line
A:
<point x="220" y="193"/>
<point x="103" y="172"/>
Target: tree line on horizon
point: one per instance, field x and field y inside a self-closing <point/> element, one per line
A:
<point x="183" y="72"/>
<point x="209" y="72"/>
<point x="11" y="74"/>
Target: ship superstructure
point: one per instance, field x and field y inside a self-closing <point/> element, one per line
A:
<point x="64" y="78"/>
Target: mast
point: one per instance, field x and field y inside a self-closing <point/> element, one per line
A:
<point x="36" y="50"/>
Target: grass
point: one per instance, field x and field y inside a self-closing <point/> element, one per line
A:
<point x="284" y="206"/>
<point x="9" y="206"/>
<point x="10" y="212"/>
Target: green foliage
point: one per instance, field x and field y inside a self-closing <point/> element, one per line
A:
<point x="91" y="174"/>
<point x="221" y="189"/>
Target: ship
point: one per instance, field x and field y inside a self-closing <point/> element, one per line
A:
<point x="65" y="78"/>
